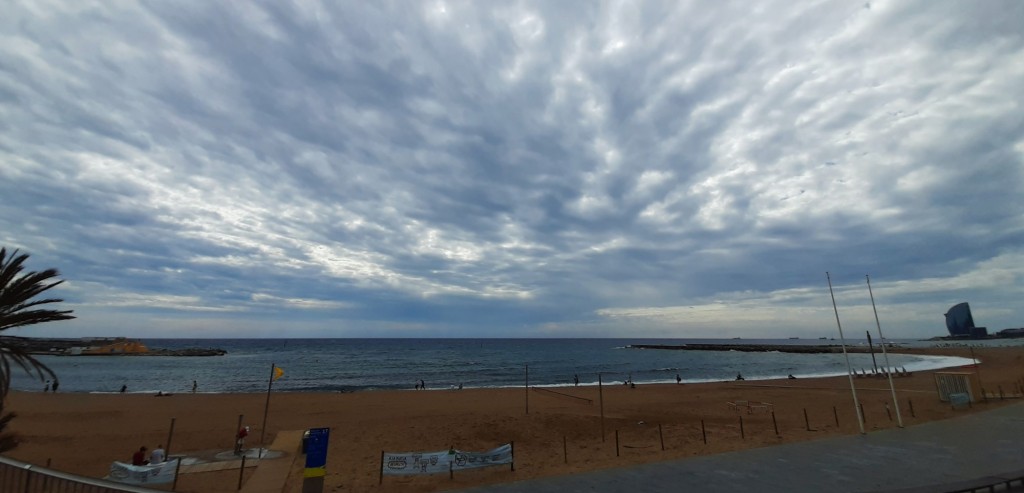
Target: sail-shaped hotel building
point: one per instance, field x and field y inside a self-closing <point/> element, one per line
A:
<point x="961" y="324"/>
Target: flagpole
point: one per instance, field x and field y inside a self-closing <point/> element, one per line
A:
<point x="266" y="409"/>
<point x="899" y="418"/>
<point x="849" y="371"/>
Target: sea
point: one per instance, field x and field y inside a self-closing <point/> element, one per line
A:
<point x="355" y="365"/>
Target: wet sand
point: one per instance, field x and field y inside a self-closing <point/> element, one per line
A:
<point x="554" y="434"/>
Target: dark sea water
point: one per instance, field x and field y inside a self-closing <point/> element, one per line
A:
<point x="347" y="365"/>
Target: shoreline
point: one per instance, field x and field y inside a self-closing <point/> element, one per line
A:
<point x="765" y="348"/>
<point x="930" y="361"/>
<point x="59" y="427"/>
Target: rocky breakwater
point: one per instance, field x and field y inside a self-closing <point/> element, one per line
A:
<point x="759" y="348"/>
<point x="185" y="352"/>
<point x="99" y="346"/>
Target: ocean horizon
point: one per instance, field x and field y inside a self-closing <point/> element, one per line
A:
<point x="350" y="365"/>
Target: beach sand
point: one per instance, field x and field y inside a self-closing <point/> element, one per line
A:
<point x="84" y="433"/>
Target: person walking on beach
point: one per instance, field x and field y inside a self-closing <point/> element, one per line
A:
<point x="576" y="380"/>
<point x="124" y="388"/>
<point x="195" y="385"/>
<point x="678" y="379"/>
<point x="55" y="384"/>
<point x="423" y="386"/>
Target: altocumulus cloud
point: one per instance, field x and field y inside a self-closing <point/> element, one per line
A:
<point x="515" y="169"/>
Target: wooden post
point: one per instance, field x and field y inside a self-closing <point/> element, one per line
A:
<point x="177" y="470"/>
<point x="600" y="398"/>
<point x="170" y="434"/>
<point x="807" y="421"/>
<point x="977" y="368"/>
<point x="565" y="450"/>
<point x="862" y="415"/>
<point x="241" y="472"/>
<point x="451" y="473"/>
<point x="661" y="436"/>
<point x="911" y="404"/>
<point x="887" y="411"/>
<point x="835" y="413"/>
<point x="616" y="443"/>
<point x="1000" y="392"/>
<point x="234" y="439"/>
<point x="380" y="477"/>
<point x="742" y="434"/>
<point x="703" y="432"/>
<point x="527" y="389"/>
<point x="512" y="445"/>
<point x="871" y="348"/>
<point x="775" y="424"/>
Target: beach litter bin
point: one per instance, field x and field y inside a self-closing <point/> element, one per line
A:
<point x="305" y="441"/>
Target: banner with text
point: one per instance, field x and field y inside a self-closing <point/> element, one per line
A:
<point x="472" y="460"/>
<point x="408" y="463"/>
<point x="162" y="473"/>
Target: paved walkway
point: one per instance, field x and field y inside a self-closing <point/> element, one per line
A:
<point x="942" y="452"/>
<point x="219" y="460"/>
<point x="271" y="475"/>
<point x="273" y="465"/>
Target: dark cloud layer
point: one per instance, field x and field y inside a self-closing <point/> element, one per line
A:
<point x="515" y="169"/>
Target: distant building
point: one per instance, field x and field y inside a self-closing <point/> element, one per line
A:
<point x="1011" y="333"/>
<point x="961" y="324"/>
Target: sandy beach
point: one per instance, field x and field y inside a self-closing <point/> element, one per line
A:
<point x="554" y="433"/>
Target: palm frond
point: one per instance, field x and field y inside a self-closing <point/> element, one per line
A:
<point x="18" y="308"/>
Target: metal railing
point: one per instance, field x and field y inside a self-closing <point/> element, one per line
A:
<point x="21" y="477"/>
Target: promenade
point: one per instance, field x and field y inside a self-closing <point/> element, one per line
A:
<point x="932" y="454"/>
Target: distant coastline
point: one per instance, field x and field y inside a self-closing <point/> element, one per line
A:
<point x="99" y="346"/>
<point x="760" y="348"/>
<point x="1002" y="334"/>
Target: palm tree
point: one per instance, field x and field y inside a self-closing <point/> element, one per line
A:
<point x="18" y="309"/>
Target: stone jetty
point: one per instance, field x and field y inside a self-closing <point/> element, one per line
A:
<point x="759" y="348"/>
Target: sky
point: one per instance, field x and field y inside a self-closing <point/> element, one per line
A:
<point x="515" y="169"/>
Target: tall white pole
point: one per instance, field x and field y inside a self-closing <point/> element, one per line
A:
<point x="895" y="403"/>
<point x="849" y="370"/>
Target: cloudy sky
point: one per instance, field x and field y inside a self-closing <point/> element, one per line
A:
<point x="515" y="169"/>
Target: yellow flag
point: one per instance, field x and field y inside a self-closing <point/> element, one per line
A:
<point x="278" y="372"/>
